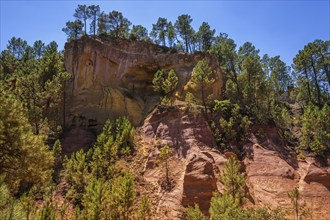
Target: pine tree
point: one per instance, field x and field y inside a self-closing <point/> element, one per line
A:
<point x="77" y="175"/>
<point x="118" y="25"/>
<point x="225" y="50"/>
<point x="169" y="85"/>
<point x="232" y="126"/>
<point x="17" y="46"/>
<point x="96" y="199"/>
<point x="164" y="155"/>
<point x="262" y="213"/>
<point x="8" y="64"/>
<point x="279" y="75"/>
<point x="186" y="32"/>
<point x="47" y="212"/>
<point x="39" y="85"/>
<point x="159" y="31"/>
<point x="233" y="180"/>
<point x="201" y="78"/>
<point x="124" y="132"/>
<point x="63" y="210"/>
<point x="206" y="36"/>
<point x="124" y="195"/>
<point x="294" y="196"/>
<point x="38" y="47"/>
<point x="9" y="207"/>
<point x="247" y="49"/>
<point x="139" y="32"/>
<point x="145" y="209"/>
<point x="81" y="13"/>
<point x="21" y="151"/>
<point x="171" y="34"/>
<point x="27" y="203"/>
<point x="104" y="152"/>
<point x="165" y="84"/>
<point x="73" y="29"/>
<point x="299" y="210"/>
<point x="194" y="213"/>
<point x="311" y="67"/>
<point x="315" y="129"/>
<point x="93" y="12"/>
<point x="57" y="151"/>
<point x="253" y="84"/>
<point x="225" y="207"/>
<point x="190" y="99"/>
<point x="103" y="23"/>
<point x="158" y="81"/>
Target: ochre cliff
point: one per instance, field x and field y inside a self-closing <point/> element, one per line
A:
<point x="271" y="167"/>
<point x="193" y="166"/>
<point x="113" y="77"/>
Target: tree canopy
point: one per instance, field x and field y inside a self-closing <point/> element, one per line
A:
<point x="25" y="158"/>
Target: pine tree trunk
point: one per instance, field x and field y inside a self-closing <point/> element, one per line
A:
<point x="308" y="87"/>
<point x="94" y="31"/>
<point x="203" y="98"/>
<point x="85" y="26"/>
<point x="64" y="97"/>
<point x="297" y="210"/>
<point x="316" y="85"/>
<point x="167" y="177"/>
<point x="186" y="41"/>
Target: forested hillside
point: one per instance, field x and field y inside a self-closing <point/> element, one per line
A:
<point x="191" y="92"/>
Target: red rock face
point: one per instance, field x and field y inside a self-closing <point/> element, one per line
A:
<point x="273" y="171"/>
<point x="199" y="181"/>
<point x="271" y="167"/>
<point x="315" y="188"/>
<point x="270" y="177"/>
<point x="194" y="166"/>
<point x="317" y="175"/>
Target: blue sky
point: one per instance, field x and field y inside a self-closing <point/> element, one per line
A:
<point x="274" y="27"/>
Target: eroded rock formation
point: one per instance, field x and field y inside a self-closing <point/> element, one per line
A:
<point x="113" y="77"/>
<point x="194" y="166"/>
<point x="273" y="170"/>
<point x="271" y="167"/>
